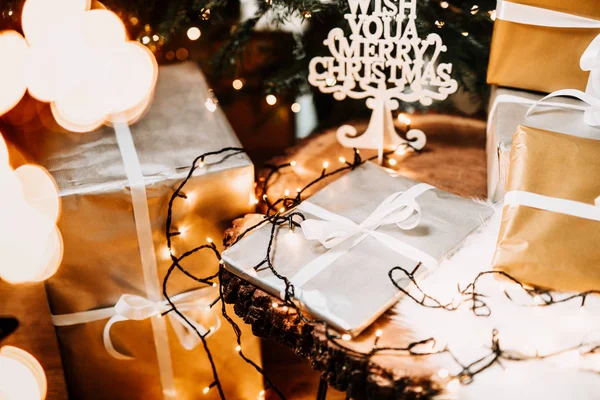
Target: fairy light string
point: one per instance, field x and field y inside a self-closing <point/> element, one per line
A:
<point x="278" y="216"/>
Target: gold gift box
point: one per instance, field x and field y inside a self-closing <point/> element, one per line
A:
<point x="543" y="59"/>
<point x="101" y="253"/>
<point x="543" y="248"/>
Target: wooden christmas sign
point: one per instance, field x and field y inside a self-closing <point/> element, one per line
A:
<point x="384" y="61"/>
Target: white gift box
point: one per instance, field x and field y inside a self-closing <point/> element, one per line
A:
<point x="356" y="230"/>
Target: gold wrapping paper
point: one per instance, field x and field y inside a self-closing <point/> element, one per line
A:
<point x="541" y="58"/>
<point x="102" y="260"/>
<point x="543" y="248"/>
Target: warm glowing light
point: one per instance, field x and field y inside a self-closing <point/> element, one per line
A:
<point x="145" y="39"/>
<point x="31" y="245"/>
<point x="465" y="34"/>
<point x="378" y="333"/>
<point x="400" y="150"/>
<point x="183" y="230"/>
<point x="209" y="240"/>
<point x="237" y="84"/>
<point x="392" y="161"/>
<point x="205" y="390"/>
<point x="102" y="29"/>
<point x="293" y="163"/>
<point x="271" y="99"/>
<point x="286" y="193"/>
<point x="444" y="4"/>
<point x="492" y="15"/>
<point x="346" y="337"/>
<point x="405" y="119"/>
<point x="342" y="160"/>
<point x="211" y="105"/>
<point x="201" y="164"/>
<point x="21" y="375"/>
<point x="443" y="373"/>
<point x="261" y="393"/>
<point x="439" y="24"/>
<point x="325" y="164"/>
<point x="474" y="9"/>
<point x="189" y="198"/>
<point x="38" y="19"/>
<point x="296" y="107"/>
<point x="166" y="253"/>
<point x="238" y="348"/>
<point x="214" y="284"/>
<point x="284" y="308"/>
<point x="193" y="33"/>
<point x="275" y="305"/>
<point x="182" y="54"/>
<point x="282" y="210"/>
<point x="13" y="52"/>
<point x="155" y="38"/>
<point x="453" y="385"/>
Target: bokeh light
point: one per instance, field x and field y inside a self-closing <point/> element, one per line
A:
<point x="13" y="53"/>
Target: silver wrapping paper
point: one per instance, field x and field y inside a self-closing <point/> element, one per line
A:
<point x="102" y="259"/>
<point x="355" y="290"/>
<point x="508" y="116"/>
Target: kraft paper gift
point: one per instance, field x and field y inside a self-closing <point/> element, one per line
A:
<point x="507" y="111"/>
<point x="548" y="237"/>
<point x="537" y="44"/>
<point x="370" y="222"/>
<point x="102" y="250"/>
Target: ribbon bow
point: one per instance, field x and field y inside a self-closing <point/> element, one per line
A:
<point x="137" y="308"/>
<point x="339" y="234"/>
<point x="590" y="60"/>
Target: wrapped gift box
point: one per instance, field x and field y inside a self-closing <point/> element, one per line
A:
<point x="354" y="289"/>
<point x="102" y="254"/>
<point x="547" y="248"/>
<point x="508" y="110"/>
<point x="541" y="58"/>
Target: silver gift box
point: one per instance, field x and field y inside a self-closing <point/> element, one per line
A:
<point x="505" y="119"/>
<point x="101" y="254"/>
<point x="355" y="290"/>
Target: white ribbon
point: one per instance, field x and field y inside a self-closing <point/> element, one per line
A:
<point x="552" y="204"/>
<point x="538" y="16"/>
<point x="137" y="308"/>
<point x="339" y="234"/>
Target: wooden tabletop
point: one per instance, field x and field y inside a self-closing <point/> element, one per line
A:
<point x="454" y="160"/>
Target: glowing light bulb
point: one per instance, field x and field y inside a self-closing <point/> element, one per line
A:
<point x="166" y="253"/>
<point x="145" y="39"/>
<point x="342" y="160"/>
<point x="346" y="337"/>
<point x="271" y="99"/>
<point x="190" y="197"/>
<point x="282" y="210"/>
<point x="13" y="52"/>
<point x="453" y="385"/>
<point x="296" y="107"/>
<point x="405" y="119"/>
<point x="183" y="230"/>
<point x="439" y="24"/>
<point x="443" y="373"/>
<point x="293" y="163"/>
<point x="392" y="161"/>
<point x="325" y="164"/>
<point x="21" y="375"/>
<point x="286" y="193"/>
<point x="284" y="308"/>
<point x="211" y="105"/>
<point x="378" y="333"/>
<point x="275" y="305"/>
<point x="474" y="9"/>
<point x="205" y="390"/>
<point x="444" y="4"/>
<point x="193" y="33"/>
<point x="465" y="34"/>
<point x="209" y="240"/>
<point x="237" y="84"/>
<point x="238" y="348"/>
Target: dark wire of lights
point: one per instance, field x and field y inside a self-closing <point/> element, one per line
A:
<point x="275" y="217"/>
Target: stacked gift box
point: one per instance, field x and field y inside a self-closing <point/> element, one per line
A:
<point x="543" y="141"/>
<point x="106" y="299"/>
